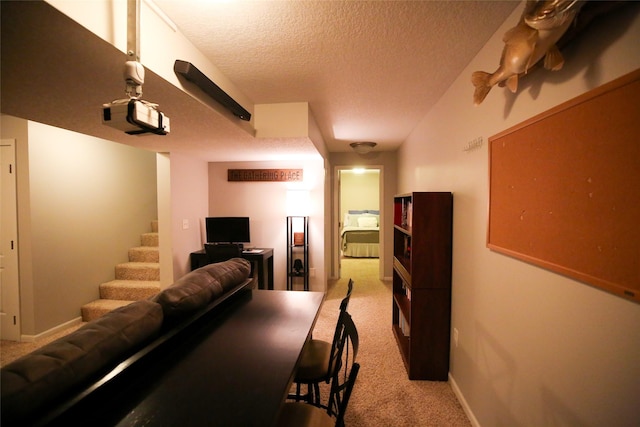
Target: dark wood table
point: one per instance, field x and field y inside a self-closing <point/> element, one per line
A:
<point x="234" y="370"/>
<point x="261" y="264"/>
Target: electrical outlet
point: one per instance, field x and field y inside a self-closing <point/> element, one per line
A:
<point x="455" y="337"/>
<point x="185" y="224"/>
<point x="312" y="272"/>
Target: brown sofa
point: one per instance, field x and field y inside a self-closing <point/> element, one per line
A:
<point x="38" y="387"/>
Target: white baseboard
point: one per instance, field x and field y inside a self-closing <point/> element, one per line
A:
<point x="49" y="332"/>
<point x="463" y="402"/>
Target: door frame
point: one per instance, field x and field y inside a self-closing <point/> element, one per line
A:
<point x="9" y="274"/>
<point x="335" y="232"/>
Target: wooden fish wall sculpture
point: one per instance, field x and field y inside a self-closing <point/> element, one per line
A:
<point x="542" y="24"/>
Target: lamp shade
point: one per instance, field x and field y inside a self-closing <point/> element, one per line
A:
<point x="298" y="202"/>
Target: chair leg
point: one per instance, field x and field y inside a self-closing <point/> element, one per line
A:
<point x="309" y="394"/>
<point x="297" y="396"/>
<point x="312" y="397"/>
<point x="316" y="390"/>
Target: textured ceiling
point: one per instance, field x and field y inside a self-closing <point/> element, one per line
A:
<point x="369" y="70"/>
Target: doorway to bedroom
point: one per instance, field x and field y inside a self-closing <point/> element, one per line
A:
<point x="358" y="210"/>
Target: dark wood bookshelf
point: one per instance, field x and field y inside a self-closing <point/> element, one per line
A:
<point x="421" y="321"/>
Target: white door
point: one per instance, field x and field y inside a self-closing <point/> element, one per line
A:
<point x="9" y="286"/>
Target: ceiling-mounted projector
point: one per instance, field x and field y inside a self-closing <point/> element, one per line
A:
<point x="135" y="117"/>
<point x="132" y="115"/>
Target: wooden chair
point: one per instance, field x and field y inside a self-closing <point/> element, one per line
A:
<point x="317" y="362"/>
<point x="299" y="414"/>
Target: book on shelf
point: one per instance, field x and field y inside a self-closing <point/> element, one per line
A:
<point x="406" y="209"/>
<point x="403" y="222"/>
<point x="407" y="291"/>
<point x="404" y="325"/>
<point x="407" y="247"/>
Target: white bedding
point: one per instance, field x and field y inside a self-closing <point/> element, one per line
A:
<point x="360" y="236"/>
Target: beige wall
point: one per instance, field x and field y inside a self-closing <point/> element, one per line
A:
<point x="535" y="348"/>
<point x="82" y="203"/>
<point x="359" y="191"/>
<point x="266" y="205"/>
<point x="189" y="195"/>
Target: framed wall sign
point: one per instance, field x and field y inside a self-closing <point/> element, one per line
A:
<point x="271" y="175"/>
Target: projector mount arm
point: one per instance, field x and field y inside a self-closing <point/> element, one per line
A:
<point x="133" y="69"/>
<point x="134" y="78"/>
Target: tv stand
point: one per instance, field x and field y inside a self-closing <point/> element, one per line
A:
<point x="261" y="264"/>
<point x="228" y="243"/>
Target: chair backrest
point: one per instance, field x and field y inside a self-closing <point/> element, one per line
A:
<point x="346" y="394"/>
<point x="345" y="375"/>
<point x="336" y="335"/>
<point x="345" y="301"/>
<point x="222" y="252"/>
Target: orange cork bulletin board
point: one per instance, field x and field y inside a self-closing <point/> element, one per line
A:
<point x="564" y="188"/>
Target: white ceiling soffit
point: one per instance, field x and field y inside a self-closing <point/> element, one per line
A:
<point x="56" y="72"/>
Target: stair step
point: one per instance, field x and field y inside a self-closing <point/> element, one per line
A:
<point x="149" y="239"/>
<point x="144" y="254"/>
<point x="129" y="290"/>
<point x="138" y="271"/>
<point x="99" y="308"/>
<point x="135" y="280"/>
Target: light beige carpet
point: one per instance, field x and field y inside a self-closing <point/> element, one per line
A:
<point x="383" y="394"/>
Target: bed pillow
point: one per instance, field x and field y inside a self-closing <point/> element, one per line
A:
<point x="351" y="220"/>
<point x="367" y="221"/>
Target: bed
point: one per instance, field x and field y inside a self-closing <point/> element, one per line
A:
<point x="360" y="234"/>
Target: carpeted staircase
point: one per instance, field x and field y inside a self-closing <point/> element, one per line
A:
<point x="134" y="280"/>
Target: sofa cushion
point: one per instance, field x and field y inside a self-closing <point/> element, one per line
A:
<point x="191" y="292"/>
<point x="196" y="289"/>
<point x="229" y="273"/>
<point x="71" y="362"/>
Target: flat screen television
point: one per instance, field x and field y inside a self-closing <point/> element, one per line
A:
<point x="227" y="229"/>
